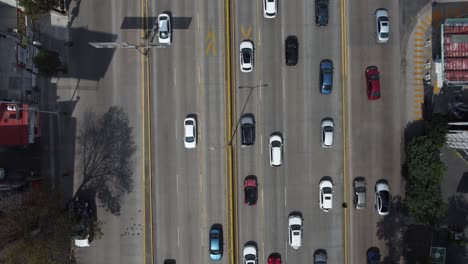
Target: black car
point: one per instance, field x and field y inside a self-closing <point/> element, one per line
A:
<point x="321" y="12"/>
<point x="292" y="50"/>
<point x="373" y="256"/>
<point x="247" y="130"/>
<point x="250" y="190"/>
<point x="320" y="256"/>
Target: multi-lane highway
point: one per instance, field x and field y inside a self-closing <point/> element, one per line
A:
<point x="287" y="99"/>
<point x="199" y="75"/>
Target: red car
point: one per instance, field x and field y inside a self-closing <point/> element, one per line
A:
<point x="373" y="83"/>
<point x="250" y="190"/>
<point x="274" y="259"/>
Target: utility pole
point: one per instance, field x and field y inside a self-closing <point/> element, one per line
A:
<point x="146" y="45"/>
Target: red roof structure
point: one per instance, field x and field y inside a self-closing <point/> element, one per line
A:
<point x="19" y="124"/>
<point x="454" y="32"/>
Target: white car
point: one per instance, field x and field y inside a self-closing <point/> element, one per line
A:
<point x="190" y="133"/>
<point x="383" y="25"/>
<point x="250" y="254"/>
<point x="382" y="197"/>
<point x="295" y="231"/>
<point x="276" y="150"/>
<point x="246" y="56"/>
<point x="326" y="195"/>
<point x="164" y="29"/>
<point x="327" y="132"/>
<point x="270" y="8"/>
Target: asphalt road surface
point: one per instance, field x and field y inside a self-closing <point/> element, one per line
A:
<point x="375" y="127"/>
<point x="189" y="185"/>
<point x="286" y="99"/>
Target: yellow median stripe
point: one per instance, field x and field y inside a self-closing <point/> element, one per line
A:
<point x="419" y="90"/>
<point x="419" y="95"/>
<point x="344" y="70"/>
<point x="418" y="51"/>
<point x="419" y="67"/>
<point x="416" y="39"/>
<point x="229" y="150"/>
<point x="418" y="73"/>
<point x="418" y="57"/>
<point x="418" y="33"/>
<point x="419" y="45"/>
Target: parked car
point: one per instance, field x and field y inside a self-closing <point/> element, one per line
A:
<point x="373" y="83"/>
<point x="274" y="259"/>
<point x="382" y="25"/>
<point x="295" y="230"/>
<point x="250" y="254"/>
<point x="321" y="12"/>
<point x="382" y="197"/>
<point x="292" y="50"/>
<point x="81" y="218"/>
<point x="190" y="132"/>
<point x="373" y="255"/>
<point x="216" y="243"/>
<point x="327" y="126"/>
<point x="326" y="195"/>
<point x="320" y="256"/>
<point x="359" y="185"/>
<point x="270" y="7"/>
<point x="164" y="29"/>
<point x="247" y="130"/>
<point x="250" y="190"/>
<point x="326" y="76"/>
<point x="276" y="150"/>
<point x="246" y="56"/>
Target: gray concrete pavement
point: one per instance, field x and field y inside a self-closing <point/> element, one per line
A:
<point x="96" y="80"/>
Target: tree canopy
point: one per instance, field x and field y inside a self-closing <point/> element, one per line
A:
<point x="48" y="62"/>
<point x="425" y="171"/>
<point x="36" y="8"/>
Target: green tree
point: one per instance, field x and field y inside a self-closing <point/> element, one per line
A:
<point x="43" y="231"/>
<point x="437" y="129"/>
<point x="36" y="8"/>
<point x="425" y="171"/>
<point x="48" y="62"/>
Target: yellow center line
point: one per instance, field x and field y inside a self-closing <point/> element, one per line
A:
<point x="344" y="66"/>
<point x="228" y="126"/>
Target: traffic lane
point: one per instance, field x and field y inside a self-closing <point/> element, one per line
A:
<point x="176" y="169"/>
<point x="375" y="123"/>
<point x="213" y="99"/>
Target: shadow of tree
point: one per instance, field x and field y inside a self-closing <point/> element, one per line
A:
<point x="392" y="227"/>
<point x="105" y="149"/>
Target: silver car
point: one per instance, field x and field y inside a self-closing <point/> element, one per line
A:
<point x="359" y="185"/>
<point x="383" y="25"/>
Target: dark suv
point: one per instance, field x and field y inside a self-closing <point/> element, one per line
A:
<point x="292" y="50"/>
<point x="247" y="130"/>
<point x="321" y="12"/>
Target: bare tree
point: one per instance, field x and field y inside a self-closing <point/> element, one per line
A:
<point x="106" y="148"/>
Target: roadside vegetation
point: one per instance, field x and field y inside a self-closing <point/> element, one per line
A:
<point x="48" y="63"/>
<point x="36" y="8"/>
<point x="425" y="170"/>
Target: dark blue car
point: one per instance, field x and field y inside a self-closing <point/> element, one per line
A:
<point x="216" y="243"/>
<point x="326" y="76"/>
<point x="373" y="256"/>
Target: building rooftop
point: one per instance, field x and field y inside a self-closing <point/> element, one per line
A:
<point x="454" y="44"/>
<point x="18" y="124"/>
